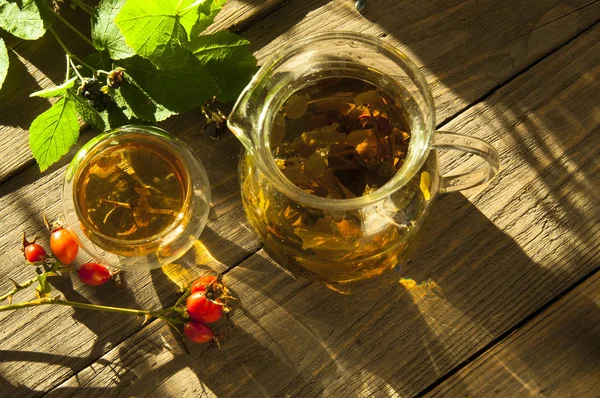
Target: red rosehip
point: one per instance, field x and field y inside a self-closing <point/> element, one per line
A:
<point x="198" y="333"/>
<point x="63" y="245"/>
<point x="202" y="309"/>
<point x="203" y="282"/>
<point x="94" y="274"/>
<point x="35" y="253"/>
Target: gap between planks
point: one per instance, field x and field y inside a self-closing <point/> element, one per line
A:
<point x="504" y="336"/>
<point x="516" y="75"/>
<point x="534" y="361"/>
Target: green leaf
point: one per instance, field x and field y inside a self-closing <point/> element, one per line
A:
<point x="87" y="113"/>
<point x="189" y="13"/>
<point x="133" y="101"/>
<point x="154" y="29"/>
<point x="114" y="116"/>
<point x="23" y="18"/>
<point x="53" y="132"/>
<point x="44" y="288"/>
<point x="161" y="113"/>
<point x="228" y="58"/>
<point x="206" y="16"/>
<point x="98" y="60"/>
<point x="106" y="34"/>
<point x="178" y="90"/>
<point x="3" y="62"/>
<point x="218" y="46"/>
<point x="57" y="91"/>
<point x="137" y="104"/>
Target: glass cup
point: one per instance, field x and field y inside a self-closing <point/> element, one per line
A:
<point x="136" y="198"/>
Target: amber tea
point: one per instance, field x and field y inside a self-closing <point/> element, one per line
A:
<point x="130" y="192"/>
<point x="340" y="138"/>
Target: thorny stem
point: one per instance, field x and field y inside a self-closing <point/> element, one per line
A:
<point x="69" y="53"/>
<point x="75" y="304"/>
<point x="184" y="296"/>
<point x="74" y="29"/>
<point x="84" y="7"/>
<point x="162" y="314"/>
<point x="18" y="287"/>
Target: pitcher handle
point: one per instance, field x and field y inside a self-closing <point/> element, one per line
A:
<point x="476" y="146"/>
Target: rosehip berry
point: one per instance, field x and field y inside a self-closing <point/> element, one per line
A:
<point x="203" y="282"/>
<point x="198" y="333"/>
<point x="94" y="274"/>
<point x="63" y="245"/>
<point x="35" y="253"/>
<point x="202" y="309"/>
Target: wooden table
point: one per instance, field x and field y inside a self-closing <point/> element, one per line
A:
<point x="502" y="301"/>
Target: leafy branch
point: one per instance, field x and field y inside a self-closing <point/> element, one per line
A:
<point x="169" y="65"/>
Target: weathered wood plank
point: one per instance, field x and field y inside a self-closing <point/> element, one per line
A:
<point x="239" y="14"/>
<point x="490" y="259"/>
<point x="555" y="355"/>
<point x="40" y="64"/>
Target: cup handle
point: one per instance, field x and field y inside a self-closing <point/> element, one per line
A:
<point x="476" y="146"/>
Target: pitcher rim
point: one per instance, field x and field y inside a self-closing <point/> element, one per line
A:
<point x="400" y="178"/>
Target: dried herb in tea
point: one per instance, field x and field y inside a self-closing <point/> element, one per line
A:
<point x="357" y="141"/>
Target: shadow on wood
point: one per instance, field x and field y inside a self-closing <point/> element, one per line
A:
<point x="299" y="338"/>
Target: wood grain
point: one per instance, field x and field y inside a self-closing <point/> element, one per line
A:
<point x="237" y="15"/>
<point x="557" y="354"/>
<point x="491" y="258"/>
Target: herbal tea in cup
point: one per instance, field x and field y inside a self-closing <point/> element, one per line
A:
<point x="136" y="197"/>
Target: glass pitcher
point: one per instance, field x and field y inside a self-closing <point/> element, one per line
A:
<point x="343" y="239"/>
